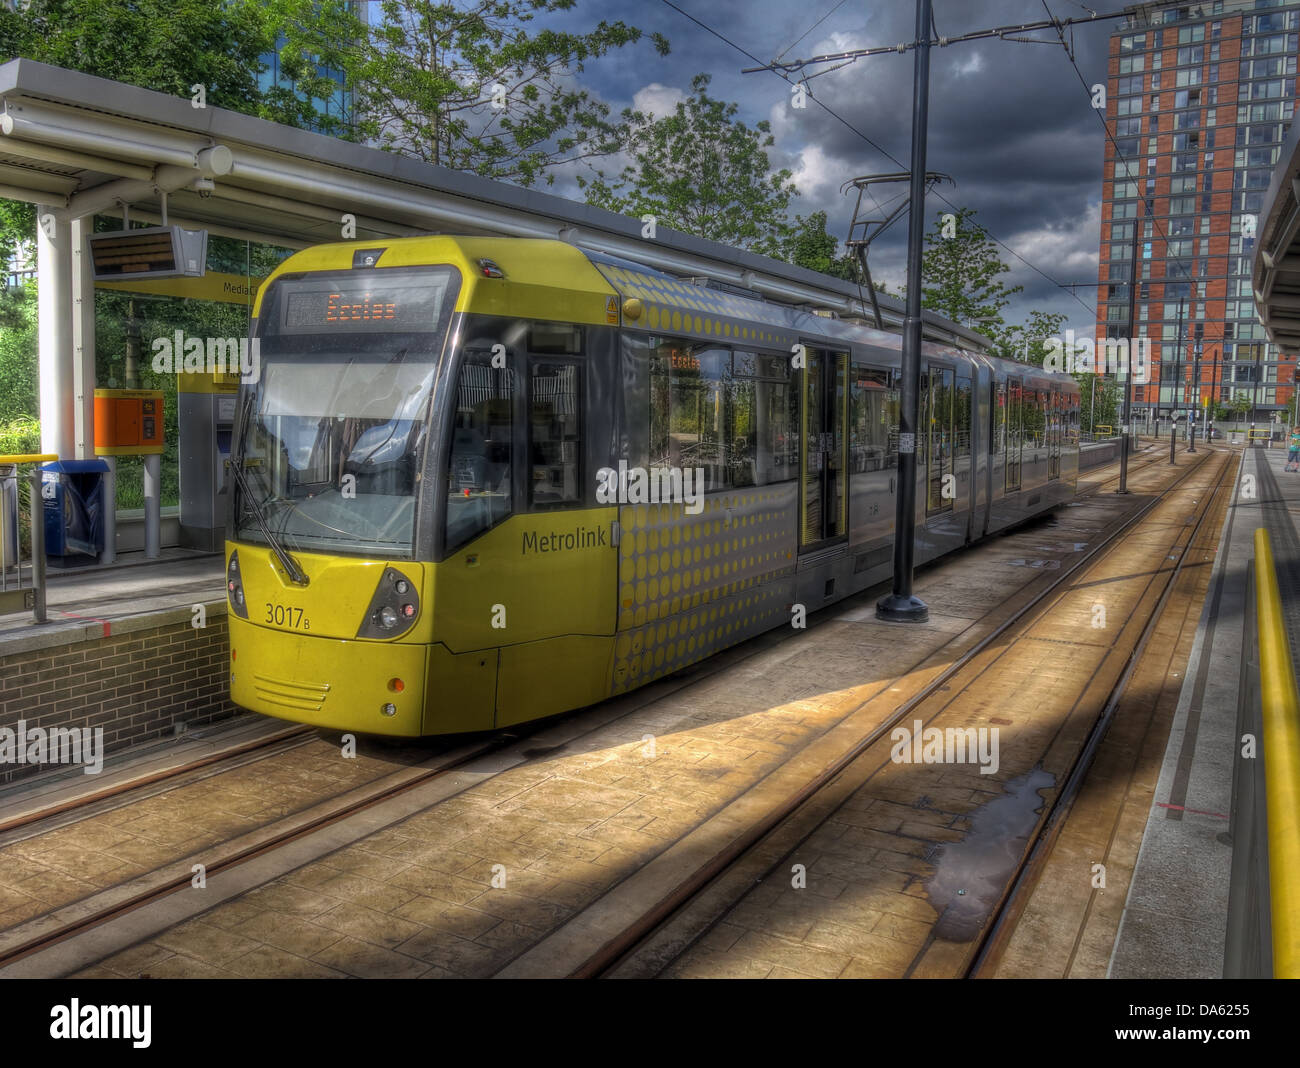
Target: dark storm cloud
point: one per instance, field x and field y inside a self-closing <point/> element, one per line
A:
<point x="1010" y="122"/>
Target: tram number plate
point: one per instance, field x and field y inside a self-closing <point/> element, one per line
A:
<point x="283" y="616"/>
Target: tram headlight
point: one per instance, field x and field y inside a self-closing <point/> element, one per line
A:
<point x="394" y="607"/>
<point x="235" y="587"/>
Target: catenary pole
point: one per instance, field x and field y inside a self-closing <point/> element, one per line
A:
<point x="901" y="605"/>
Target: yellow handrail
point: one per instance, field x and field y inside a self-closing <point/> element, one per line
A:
<point x="1281" y="745"/>
<point x="30" y="458"/>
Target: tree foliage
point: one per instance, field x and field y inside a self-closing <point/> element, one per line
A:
<point x="960" y="271"/>
<point x="1027" y="341"/>
<point x="811" y="245"/>
<point x="19" y="395"/>
<point x="470" y="86"/>
<point x="701" y="171"/>
<point x="165" y="45"/>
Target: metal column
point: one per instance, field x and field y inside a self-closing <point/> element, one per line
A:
<point x="901" y="606"/>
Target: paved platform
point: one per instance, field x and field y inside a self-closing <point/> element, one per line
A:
<point x="1165" y="932"/>
<point x="81" y="600"/>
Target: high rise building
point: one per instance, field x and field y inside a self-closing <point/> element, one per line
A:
<point x="1199" y="97"/>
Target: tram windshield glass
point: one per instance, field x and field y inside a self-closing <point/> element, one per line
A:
<point x="332" y="434"/>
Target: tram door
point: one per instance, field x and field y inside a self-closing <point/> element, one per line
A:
<point x="1015" y="433"/>
<point x="1054" y="419"/>
<point x="823" y="476"/>
<point x="936" y="421"/>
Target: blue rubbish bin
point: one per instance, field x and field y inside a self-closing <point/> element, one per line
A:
<point x="72" y="495"/>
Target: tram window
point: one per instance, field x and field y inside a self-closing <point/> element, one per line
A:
<point x="1015" y="432"/>
<point x="873" y="425"/>
<point x="764" y="412"/>
<point x="731" y="414"/>
<point x="962" y="419"/>
<point x="937" y="397"/>
<point x="555" y="339"/>
<point x="998" y="418"/>
<point x="1035" y="417"/>
<point x="478" y="470"/>
<point x="554" y="433"/>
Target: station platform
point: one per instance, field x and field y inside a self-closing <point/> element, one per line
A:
<point x="1189" y="836"/>
<point x="83" y="599"/>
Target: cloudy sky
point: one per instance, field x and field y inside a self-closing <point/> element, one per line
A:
<point x="1010" y="122"/>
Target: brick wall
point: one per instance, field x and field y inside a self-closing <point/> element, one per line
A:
<point x="147" y="675"/>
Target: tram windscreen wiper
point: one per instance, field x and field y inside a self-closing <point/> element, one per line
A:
<point x="290" y="565"/>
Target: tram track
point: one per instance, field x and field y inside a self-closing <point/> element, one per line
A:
<point x="666" y="926"/>
<point x="85" y="915"/>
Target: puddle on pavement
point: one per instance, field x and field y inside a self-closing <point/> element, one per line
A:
<point x="972" y="873"/>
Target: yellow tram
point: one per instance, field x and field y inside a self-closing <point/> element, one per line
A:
<point x="480" y="481"/>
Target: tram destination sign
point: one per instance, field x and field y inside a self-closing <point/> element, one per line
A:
<point x="345" y="305"/>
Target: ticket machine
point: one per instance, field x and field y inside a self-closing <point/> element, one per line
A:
<point x="206" y="416"/>
<point x="129" y="422"/>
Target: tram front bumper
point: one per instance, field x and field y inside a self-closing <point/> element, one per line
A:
<point x="373" y="687"/>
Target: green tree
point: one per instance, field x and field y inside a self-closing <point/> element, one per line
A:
<point x="960" y="271"/>
<point x="19" y="396"/>
<point x="703" y="172"/>
<point x="1028" y="342"/>
<point x="811" y="245"/>
<point x="468" y="86"/>
<point x="165" y="45"/>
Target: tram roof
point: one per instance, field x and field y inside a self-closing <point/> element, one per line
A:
<point x="79" y="144"/>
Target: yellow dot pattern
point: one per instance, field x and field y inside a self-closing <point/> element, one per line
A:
<point x="690" y="585"/>
<point x="726" y="315"/>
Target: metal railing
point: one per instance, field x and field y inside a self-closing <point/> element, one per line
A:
<point x="14" y="596"/>
<point x="1280" y="706"/>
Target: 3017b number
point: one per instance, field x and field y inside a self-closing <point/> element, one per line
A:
<point x="282" y="616"/>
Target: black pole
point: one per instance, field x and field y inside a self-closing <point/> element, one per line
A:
<point x="1212" y="409"/>
<point x="901" y="606"/>
<point x="1255" y="392"/>
<point x="1132" y="344"/>
<point x="1173" y="394"/>
<point x="1196" y="397"/>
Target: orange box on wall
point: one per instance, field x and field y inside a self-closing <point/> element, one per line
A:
<point x="128" y="422"/>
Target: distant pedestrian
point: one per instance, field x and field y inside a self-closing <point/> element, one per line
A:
<point x="1293" y="450"/>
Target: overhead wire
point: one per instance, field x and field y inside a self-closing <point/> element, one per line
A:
<point x="884" y="152"/>
<point x="810" y="30"/>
